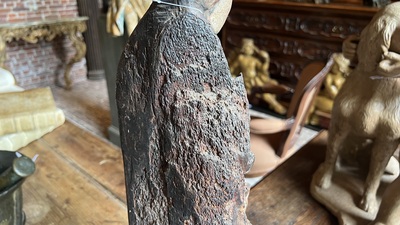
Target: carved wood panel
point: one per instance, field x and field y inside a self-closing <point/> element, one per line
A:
<point x="294" y="34"/>
<point x="288" y="54"/>
<point x="306" y="25"/>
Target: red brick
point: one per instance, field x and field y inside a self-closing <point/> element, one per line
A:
<point x="51" y="17"/>
<point x="9" y="5"/>
<point x="12" y="16"/>
<point x="4" y="10"/>
<point x="33" y="17"/>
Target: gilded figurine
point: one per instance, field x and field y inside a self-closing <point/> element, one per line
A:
<point x="123" y="13"/>
<point x="331" y="86"/>
<point x="253" y="63"/>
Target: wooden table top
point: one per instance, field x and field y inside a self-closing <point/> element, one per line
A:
<point x="283" y="197"/>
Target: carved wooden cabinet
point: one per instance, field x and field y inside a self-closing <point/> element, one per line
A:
<point x="293" y="33"/>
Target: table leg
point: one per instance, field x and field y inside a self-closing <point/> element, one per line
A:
<point x="2" y="52"/>
<point x="80" y="47"/>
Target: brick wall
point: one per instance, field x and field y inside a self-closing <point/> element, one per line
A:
<point x="38" y="65"/>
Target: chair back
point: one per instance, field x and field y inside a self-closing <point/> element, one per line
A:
<point x="306" y="89"/>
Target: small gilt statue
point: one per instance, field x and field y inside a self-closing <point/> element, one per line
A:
<point x="184" y="120"/>
<point x="331" y="86"/>
<point x="253" y="63"/>
<point x="366" y="124"/>
<point x="123" y="13"/>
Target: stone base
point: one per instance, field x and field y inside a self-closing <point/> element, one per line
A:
<point x="344" y="195"/>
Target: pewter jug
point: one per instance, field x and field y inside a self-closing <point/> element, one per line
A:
<point x="13" y="171"/>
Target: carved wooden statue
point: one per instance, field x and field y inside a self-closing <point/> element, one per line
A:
<point x="254" y="64"/>
<point x="184" y="120"/>
<point x="366" y="110"/>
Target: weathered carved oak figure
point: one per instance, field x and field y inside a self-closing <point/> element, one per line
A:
<point x="183" y="119"/>
<point x="366" y="110"/>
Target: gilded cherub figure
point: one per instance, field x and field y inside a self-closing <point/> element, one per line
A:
<point x="331" y="86"/>
<point x="253" y="63"/>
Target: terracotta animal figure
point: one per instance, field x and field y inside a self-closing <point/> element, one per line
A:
<point x="368" y="105"/>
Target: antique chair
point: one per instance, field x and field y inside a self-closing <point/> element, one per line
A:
<point x="272" y="140"/>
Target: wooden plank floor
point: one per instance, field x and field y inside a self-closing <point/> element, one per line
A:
<point x="79" y="180"/>
<point x="86" y="105"/>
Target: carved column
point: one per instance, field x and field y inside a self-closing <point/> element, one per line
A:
<point x="93" y="54"/>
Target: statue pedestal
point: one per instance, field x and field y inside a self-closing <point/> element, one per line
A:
<point x="344" y="194"/>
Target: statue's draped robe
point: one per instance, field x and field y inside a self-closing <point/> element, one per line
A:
<point x="184" y="124"/>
